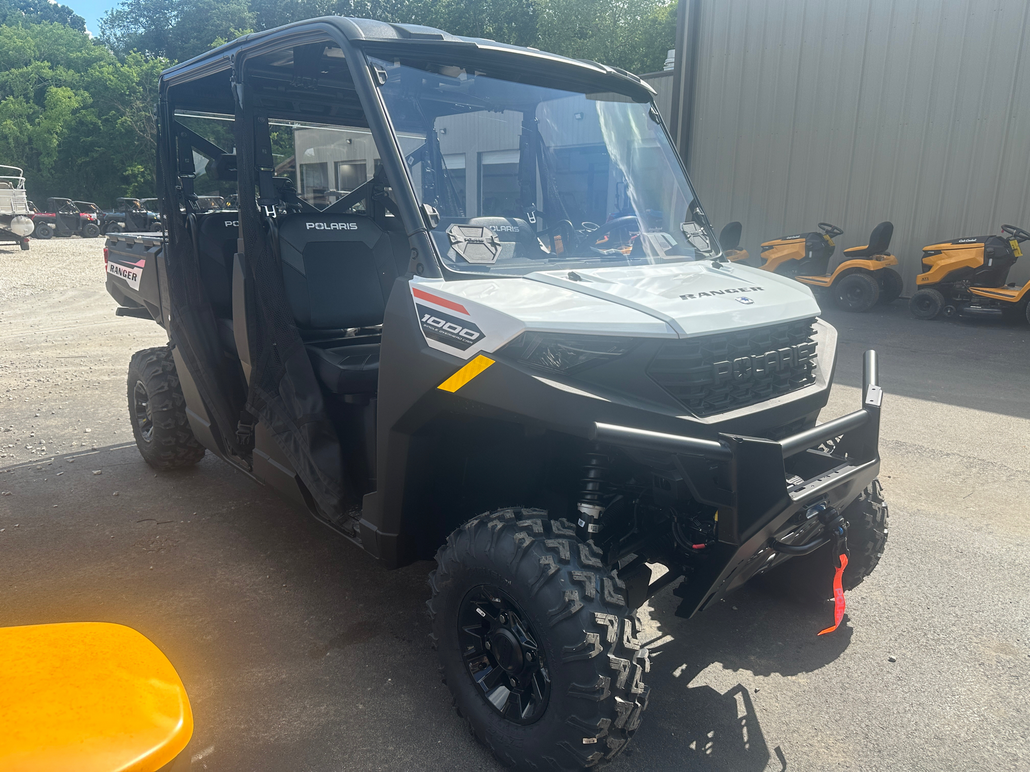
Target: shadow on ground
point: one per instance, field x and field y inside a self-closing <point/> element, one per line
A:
<point x="701" y="717"/>
<point x="968" y="362"/>
<point x="299" y="651"/>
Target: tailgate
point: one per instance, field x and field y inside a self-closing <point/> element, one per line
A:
<point x="132" y="271"/>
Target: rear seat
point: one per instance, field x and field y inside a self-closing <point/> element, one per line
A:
<point x="338" y="271"/>
<point x="217" y="233"/>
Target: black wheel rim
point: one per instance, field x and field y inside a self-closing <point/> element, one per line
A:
<point x="924" y="305"/>
<point x="141" y="411"/>
<point x="853" y="295"/>
<point x="502" y="656"/>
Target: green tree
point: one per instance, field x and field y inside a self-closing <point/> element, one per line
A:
<point x="632" y="34"/>
<point x="174" y="29"/>
<point x="14" y="11"/>
<point x="78" y="120"/>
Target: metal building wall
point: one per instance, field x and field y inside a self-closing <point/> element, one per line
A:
<point x="857" y="111"/>
<point x="662" y="83"/>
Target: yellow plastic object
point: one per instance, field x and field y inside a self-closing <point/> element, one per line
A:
<point x="1005" y="294"/>
<point x="88" y="697"/>
<point x="950" y="257"/>
<point x="736" y="255"/>
<point x="779" y="251"/>
<point x="466" y="374"/>
<point x="875" y="263"/>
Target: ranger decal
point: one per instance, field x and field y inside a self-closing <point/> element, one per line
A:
<point x="129" y="273"/>
<point x="711" y="293"/>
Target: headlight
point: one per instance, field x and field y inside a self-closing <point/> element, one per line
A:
<point x="22" y="226"/>
<point x="566" y="353"/>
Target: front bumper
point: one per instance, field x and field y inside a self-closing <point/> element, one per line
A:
<point x="764" y="490"/>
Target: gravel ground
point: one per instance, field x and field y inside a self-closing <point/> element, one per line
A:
<point x="300" y="653"/>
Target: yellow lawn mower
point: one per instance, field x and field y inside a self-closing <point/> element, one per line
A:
<point x="969" y="276"/>
<point x="864" y="279"/>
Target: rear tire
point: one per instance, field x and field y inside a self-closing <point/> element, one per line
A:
<point x="891" y="285"/>
<point x="156" y="228"/>
<point x="157" y="410"/>
<point x="856" y="292"/>
<point x="811" y="576"/>
<point x="585" y="697"/>
<point x="91" y="231"/>
<point x="1028" y="312"/>
<point x="926" y="304"/>
<point x="43" y="231"/>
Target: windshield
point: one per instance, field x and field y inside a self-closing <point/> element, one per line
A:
<point x="527" y="178"/>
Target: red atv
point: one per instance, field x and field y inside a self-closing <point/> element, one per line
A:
<point x="63" y="218"/>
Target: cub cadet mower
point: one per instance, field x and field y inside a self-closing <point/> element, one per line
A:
<point x="441" y="365"/>
<point x="860" y="282"/>
<point x="968" y="276"/>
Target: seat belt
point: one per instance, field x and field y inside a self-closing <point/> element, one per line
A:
<point x="527" y="168"/>
<point x="264" y="162"/>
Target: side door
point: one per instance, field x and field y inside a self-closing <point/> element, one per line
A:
<point x="67" y="216"/>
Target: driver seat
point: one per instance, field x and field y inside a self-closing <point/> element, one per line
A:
<point x="879" y="242"/>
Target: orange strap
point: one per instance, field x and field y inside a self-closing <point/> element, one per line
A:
<point x="838" y="595"/>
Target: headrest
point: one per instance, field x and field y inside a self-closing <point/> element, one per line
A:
<point x="220" y="225"/>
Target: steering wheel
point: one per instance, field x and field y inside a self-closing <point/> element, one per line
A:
<point x="618" y="223"/>
<point x="588" y="227"/>
<point x="1017" y="233"/>
<point x="830" y="230"/>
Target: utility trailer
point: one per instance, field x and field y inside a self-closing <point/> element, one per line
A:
<point x="470" y="308"/>
<point x="15" y="214"/>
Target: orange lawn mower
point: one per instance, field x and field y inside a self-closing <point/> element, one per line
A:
<point x="862" y="280"/>
<point x="969" y="275"/>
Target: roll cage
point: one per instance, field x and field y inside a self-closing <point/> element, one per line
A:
<point x="219" y="74"/>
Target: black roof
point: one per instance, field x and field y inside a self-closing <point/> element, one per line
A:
<point x="384" y="38"/>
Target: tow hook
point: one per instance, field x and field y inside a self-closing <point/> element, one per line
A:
<point x="837" y="527"/>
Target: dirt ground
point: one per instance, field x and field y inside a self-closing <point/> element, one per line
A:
<point x="300" y="653"/>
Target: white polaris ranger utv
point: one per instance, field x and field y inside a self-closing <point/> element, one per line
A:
<point x="469" y="307"/>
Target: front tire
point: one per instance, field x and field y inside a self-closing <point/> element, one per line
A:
<point x="91" y="231"/>
<point x="926" y="304"/>
<point x="43" y="231"/>
<point x="536" y="642"/>
<point x="114" y="228"/>
<point x="157" y="410"/>
<point x="856" y="292"/>
<point x="891" y="286"/>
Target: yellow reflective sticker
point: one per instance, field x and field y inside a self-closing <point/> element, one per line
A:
<point x="1015" y="248"/>
<point x="466" y="374"/>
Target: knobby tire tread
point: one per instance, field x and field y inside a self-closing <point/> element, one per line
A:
<point x="592" y="718"/>
<point x="173" y="445"/>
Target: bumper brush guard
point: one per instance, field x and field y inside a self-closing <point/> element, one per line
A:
<point x="759" y="503"/>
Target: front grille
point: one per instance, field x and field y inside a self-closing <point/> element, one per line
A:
<point x="717" y="373"/>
